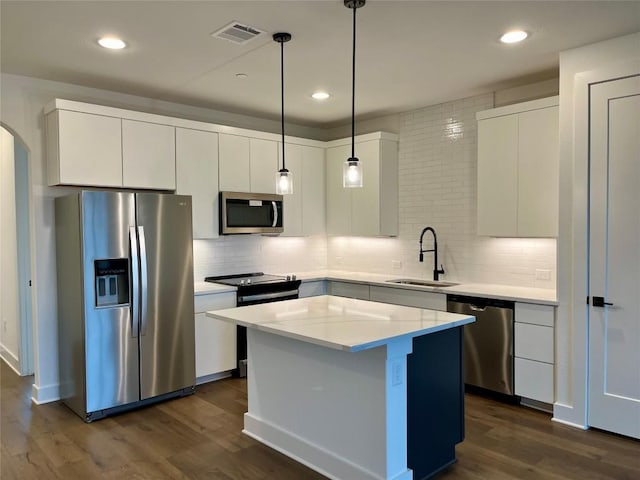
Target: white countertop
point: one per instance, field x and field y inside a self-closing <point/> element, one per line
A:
<point x="206" y="288"/>
<point x="341" y="323"/>
<point x="541" y="296"/>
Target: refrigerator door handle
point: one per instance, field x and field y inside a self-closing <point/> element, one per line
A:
<point x="143" y="281"/>
<point x="135" y="281"/>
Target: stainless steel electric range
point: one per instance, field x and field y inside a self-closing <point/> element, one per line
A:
<point x="252" y="289"/>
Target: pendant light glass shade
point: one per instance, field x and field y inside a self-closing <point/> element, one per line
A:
<point x="352" y="173"/>
<point x="284" y="181"/>
<point x="352" y="169"/>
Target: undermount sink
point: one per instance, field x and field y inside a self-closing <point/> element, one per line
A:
<point x="423" y="283"/>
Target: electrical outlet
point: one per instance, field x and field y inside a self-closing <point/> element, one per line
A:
<point x="4" y="326"/>
<point x="543" y="274"/>
<point x="396" y="373"/>
<point x="396" y="264"/>
<point x="338" y="260"/>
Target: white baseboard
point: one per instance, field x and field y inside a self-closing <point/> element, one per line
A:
<point x="45" y="394"/>
<point x="562" y="413"/>
<point x="313" y="456"/>
<point x="212" y="378"/>
<point x="10" y="359"/>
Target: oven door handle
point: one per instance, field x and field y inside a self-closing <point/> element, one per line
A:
<point x="266" y="296"/>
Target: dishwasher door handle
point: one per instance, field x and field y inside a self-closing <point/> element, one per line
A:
<point x="475" y="308"/>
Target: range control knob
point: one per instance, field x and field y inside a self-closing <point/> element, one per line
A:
<point x="248" y="280"/>
<point x="293" y="277"/>
<point x="288" y="278"/>
<point x="241" y="282"/>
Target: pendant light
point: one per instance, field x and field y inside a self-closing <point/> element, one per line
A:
<point x="284" y="181"/>
<point x="352" y="170"/>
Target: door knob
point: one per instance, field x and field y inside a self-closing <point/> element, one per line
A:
<point x="599" y="302"/>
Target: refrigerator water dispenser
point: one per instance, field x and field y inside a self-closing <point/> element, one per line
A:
<point x="112" y="282"/>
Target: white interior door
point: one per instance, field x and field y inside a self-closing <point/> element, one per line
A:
<point x="614" y="257"/>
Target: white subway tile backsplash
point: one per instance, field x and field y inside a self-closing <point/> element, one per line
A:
<point x="437" y="176"/>
<point x="437" y="162"/>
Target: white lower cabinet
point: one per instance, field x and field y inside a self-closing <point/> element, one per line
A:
<point x="534" y="351"/>
<point x="313" y="288"/>
<point x="215" y="339"/>
<point x="349" y="289"/>
<point x="409" y="298"/>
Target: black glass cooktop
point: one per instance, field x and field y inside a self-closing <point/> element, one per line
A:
<point x="247" y="279"/>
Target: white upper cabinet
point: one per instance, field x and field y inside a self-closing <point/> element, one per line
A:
<point x="148" y="155"/>
<point x="263" y="165"/>
<point x="518" y="170"/>
<point x="304" y="210"/>
<point x="84" y="149"/>
<point x="101" y="146"/>
<point x="373" y="209"/>
<point x="248" y="164"/>
<point x="197" y="175"/>
<point x="234" y="163"/>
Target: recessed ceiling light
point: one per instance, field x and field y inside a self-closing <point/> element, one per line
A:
<point x="320" y="95"/>
<point x="113" y="43"/>
<point x="241" y="75"/>
<point x="514" y="36"/>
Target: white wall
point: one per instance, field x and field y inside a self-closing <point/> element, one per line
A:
<point x="21" y="109"/>
<point x="9" y="311"/>
<point x="571" y="324"/>
<point x="437" y="162"/>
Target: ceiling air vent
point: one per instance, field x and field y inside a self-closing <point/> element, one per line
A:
<point x="238" y="33"/>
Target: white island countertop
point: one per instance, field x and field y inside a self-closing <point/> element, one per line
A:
<point x="341" y="323"/>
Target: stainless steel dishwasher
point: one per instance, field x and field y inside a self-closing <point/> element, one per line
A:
<point x="488" y="342"/>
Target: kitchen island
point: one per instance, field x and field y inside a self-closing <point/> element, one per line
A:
<point x="355" y="389"/>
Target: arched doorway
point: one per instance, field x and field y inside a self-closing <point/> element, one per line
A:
<point x="16" y="326"/>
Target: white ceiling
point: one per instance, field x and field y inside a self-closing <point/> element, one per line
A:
<point x="410" y="54"/>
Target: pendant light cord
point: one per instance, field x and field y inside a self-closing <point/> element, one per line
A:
<point x="353" y="87"/>
<point x="282" y="98"/>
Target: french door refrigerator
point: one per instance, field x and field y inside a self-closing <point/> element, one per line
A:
<point x="125" y="299"/>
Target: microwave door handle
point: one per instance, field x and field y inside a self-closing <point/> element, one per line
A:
<point x="135" y="282"/>
<point x="275" y="214"/>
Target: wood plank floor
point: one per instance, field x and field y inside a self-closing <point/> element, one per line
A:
<point x="198" y="437"/>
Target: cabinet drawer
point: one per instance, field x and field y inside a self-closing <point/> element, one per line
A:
<point x="534" y="380"/>
<point x="409" y="298"/>
<point x="214" y="301"/>
<point x="349" y="290"/>
<point x="535" y="314"/>
<point x="313" y="289"/>
<point x="534" y="342"/>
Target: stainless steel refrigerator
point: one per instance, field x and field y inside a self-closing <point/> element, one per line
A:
<point x="125" y="299"/>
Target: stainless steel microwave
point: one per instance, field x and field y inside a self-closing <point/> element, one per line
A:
<point x="250" y="213"/>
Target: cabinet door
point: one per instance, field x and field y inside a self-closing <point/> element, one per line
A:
<point x="263" y="160"/>
<point x="498" y="176"/>
<point x="349" y="290"/>
<point x="338" y="198"/>
<point x="84" y="149"/>
<point x="538" y="173"/>
<point x="234" y="163"/>
<point x="313" y="190"/>
<point x="148" y="155"/>
<point x="215" y="339"/>
<point x="365" y="201"/>
<point x="293" y="203"/>
<point x="313" y="288"/>
<point x="197" y="175"/>
<point x="533" y="380"/>
<point x="409" y="298"/>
